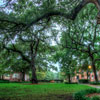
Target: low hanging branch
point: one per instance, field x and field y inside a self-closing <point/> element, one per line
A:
<point x="72" y="15"/>
<point x="17" y="51"/>
<point x="83" y="4"/>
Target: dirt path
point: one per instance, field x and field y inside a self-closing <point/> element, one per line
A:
<point x="95" y="86"/>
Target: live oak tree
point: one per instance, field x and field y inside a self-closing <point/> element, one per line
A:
<point x="22" y="14"/>
<point x="83" y="36"/>
<point x="16" y="64"/>
<point x="11" y="62"/>
<point x="67" y="62"/>
<point x="29" y="45"/>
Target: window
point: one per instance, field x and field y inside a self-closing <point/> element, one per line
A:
<point x="7" y="75"/>
<point x="82" y="76"/>
<point x="92" y="77"/>
<point x="77" y="77"/>
<point x="15" y="75"/>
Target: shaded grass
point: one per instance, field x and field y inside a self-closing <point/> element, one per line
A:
<point x="54" y="91"/>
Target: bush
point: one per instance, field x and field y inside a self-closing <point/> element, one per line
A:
<point x="95" y="98"/>
<point x="95" y="83"/>
<point x="20" y="82"/>
<point x="71" y="83"/>
<point x="82" y="94"/>
<point x="83" y="81"/>
<point x="57" y="81"/>
<point x="4" y="81"/>
<point x="7" y="81"/>
<point x="44" y="80"/>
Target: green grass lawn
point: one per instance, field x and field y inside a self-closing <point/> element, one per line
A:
<point x="54" y="91"/>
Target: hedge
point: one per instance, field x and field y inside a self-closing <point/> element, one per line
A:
<point x="71" y="83"/>
<point x="4" y="81"/>
<point x="47" y="81"/>
<point x="82" y="94"/>
<point x="83" y="81"/>
<point x="95" y="83"/>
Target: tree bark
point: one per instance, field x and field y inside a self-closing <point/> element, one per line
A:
<point x="33" y="55"/>
<point x="87" y="75"/>
<point x="95" y="72"/>
<point x="23" y="76"/>
<point x="69" y="78"/>
<point x="34" y="77"/>
<point x="94" y="68"/>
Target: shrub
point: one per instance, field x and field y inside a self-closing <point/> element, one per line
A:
<point x="83" y="81"/>
<point x="20" y="82"/>
<point x="44" y="80"/>
<point x="4" y="81"/>
<point x="71" y="83"/>
<point x="95" y="83"/>
<point x="57" y="81"/>
<point x="82" y="94"/>
<point x="95" y="98"/>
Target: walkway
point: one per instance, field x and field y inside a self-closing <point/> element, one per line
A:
<point x="95" y="86"/>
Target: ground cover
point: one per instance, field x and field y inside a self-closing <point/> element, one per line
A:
<point x="50" y="91"/>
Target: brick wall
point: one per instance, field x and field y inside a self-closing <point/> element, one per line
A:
<point x="83" y="75"/>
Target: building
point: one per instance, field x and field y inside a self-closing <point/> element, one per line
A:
<point x="15" y="77"/>
<point x="85" y="75"/>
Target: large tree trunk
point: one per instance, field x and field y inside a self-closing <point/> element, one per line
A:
<point x="23" y="76"/>
<point x="69" y="78"/>
<point x="95" y="72"/>
<point x="34" y="77"/>
<point x="87" y="75"/>
<point x="33" y="56"/>
<point x="94" y="68"/>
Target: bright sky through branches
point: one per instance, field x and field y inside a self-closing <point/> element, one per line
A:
<point x="2" y="3"/>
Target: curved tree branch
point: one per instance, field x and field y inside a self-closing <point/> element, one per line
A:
<point x="72" y="15"/>
<point x="17" y="51"/>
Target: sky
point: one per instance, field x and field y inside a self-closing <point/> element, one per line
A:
<point x="1" y="3"/>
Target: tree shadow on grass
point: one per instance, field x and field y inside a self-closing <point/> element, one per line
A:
<point x="42" y="97"/>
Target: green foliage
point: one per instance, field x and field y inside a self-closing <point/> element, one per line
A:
<point x="71" y="83"/>
<point x="83" y="81"/>
<point x="49" y="76"/>
<point x="68" y="63"/>
<point x="41" y="75"/>
<point x="96" y="98"/>
<point x="82" y="94"/>
<point x="4" y="81"/>
<point x="95" y="83"/>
